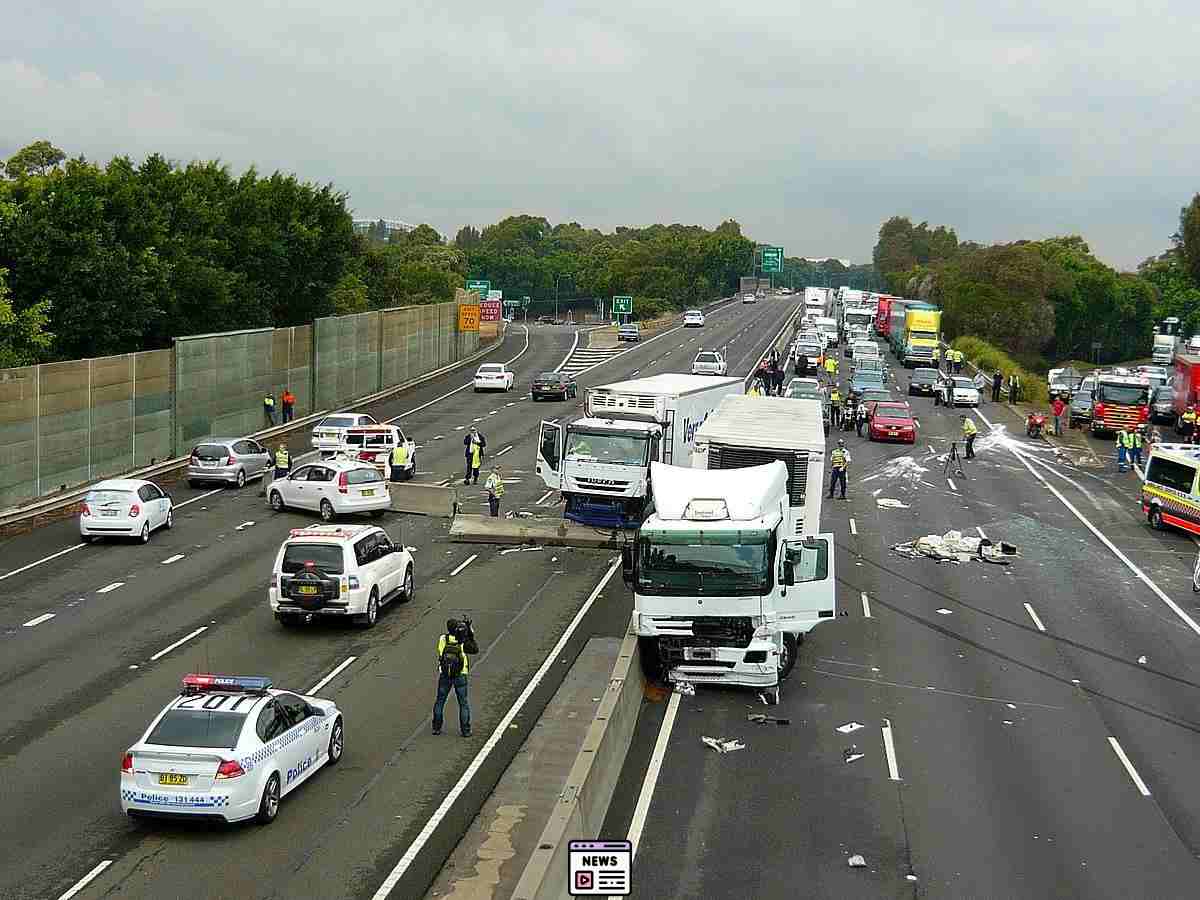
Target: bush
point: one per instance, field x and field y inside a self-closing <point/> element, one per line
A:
<point x="990" y="358"/>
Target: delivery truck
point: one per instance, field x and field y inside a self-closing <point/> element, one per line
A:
<point x="731" y="570"/>
<point x="920" y="344"/>
<point x="1166" y="341"/>
<point x="601" y="462"/>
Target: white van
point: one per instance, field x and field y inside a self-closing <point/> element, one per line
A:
<point x="1169" y="493"/>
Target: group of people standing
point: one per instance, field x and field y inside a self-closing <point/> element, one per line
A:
<point x="768" y="379"/>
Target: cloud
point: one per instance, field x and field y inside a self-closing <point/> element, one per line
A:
<point x="810" y="125"/>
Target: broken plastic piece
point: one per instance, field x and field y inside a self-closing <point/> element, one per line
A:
<point x="723" y="745"/>
<point x="889" y="503"/>
<point x="686" y="688"/>
<point x="857" y="862"/>
<point x="764" y="719"/>
<point x="849" y="727"/>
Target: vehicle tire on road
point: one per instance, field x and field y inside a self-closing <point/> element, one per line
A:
<point x="337" y="742"/>
<point x="652" y="666"/>
<point x="268" y="806"/>
<point x="87" y="538"/>
<point x="170" y="523"/>
<point x="406" y="592"/>
<point x="326" y="511"/>
<point x="1155" y="517"/>
<point x="277" y="501"/>
<point x="241" y="478"/>
<point x="286" y="620"/>
<point x="145" y="535"/>
<point x="787" y="662"/>
<point x="193" y="484"/>
<point x="368" y="619"/>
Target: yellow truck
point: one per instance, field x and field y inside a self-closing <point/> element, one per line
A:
<point x="922" y="336"/>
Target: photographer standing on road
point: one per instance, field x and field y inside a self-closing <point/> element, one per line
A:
<point x="453" y="648"/>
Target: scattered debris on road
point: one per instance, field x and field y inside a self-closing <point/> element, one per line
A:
<point x="889" y="503"/>
<point x="849" y="727"/>
<point x="851" y="754"/>
<point x="955" y="547"/>
<point x="686" y="688"/>
<point x="857" y="862"/>
<point x="764" y="719"/>
<point x="723" y="745"/>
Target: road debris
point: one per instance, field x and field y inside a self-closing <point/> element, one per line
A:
<point x="1142" y="660"/>
<point x="686" y="688"/>
<point x="764" y="719"/>
<point x="849" y="727"/>
<point x="889" y="503"/>
<point x="955" y="547"/>
<point x="851" y="754"/>
<point x="857" y="862"/>
<point x="723" y="745"/>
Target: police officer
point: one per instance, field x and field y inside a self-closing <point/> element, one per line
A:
<point x="1124" y="448"/>
<point x="835" y="406"/>
<point x="495" y="490"/>
<point x="861" y="419"/>
<point x="969" y="431"/>
<point x="1138" y="440"/>
<point x="269" y="408"/>
<point x="1189" y="420"/>
<point x="283" y="462"/>
<point x="399" y="460"/>
<point x="453" y="649"/>
<point x="831" y="367"/>
<point x="839" y="461"/>
<point x="473" y="444"/>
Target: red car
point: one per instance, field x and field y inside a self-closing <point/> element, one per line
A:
<point x="891" y="422"/>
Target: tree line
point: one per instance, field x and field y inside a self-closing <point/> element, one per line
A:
<point x="104" y="259"/>
<point x="1048" y="299"/>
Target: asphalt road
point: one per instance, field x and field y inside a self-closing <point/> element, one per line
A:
<point x="1043" y="715"/>
<point x="79" y="687"/>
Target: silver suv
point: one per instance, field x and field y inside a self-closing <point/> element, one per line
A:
<point x="230" y="460"/>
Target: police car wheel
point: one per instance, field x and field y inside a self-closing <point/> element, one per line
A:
<point x="326" y="511"/>
<point x="371" y="616"/>
<point x="337" y="742"/>
<point x="145" y="535"/>
<point x="241" y="478"/>
<point x="170" y="523"/>
<point x="407" y="590"/>
<point x="268" y="807"/>
<point x="276" y="501"/>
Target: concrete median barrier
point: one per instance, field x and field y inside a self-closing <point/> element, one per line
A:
<point x="546" y="532"/>
<point x="424" y="499"/>
<point x="583" y="804"/>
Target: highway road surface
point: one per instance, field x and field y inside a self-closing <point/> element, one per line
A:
<point x="95" y="638"/>
<point x="971" y="730"/>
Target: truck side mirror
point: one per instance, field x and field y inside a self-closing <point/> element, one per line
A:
<point x="627" y="564"/>
<point x="789" y="572"/>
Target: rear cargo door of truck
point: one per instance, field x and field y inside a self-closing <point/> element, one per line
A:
<point x="811" y="598"/>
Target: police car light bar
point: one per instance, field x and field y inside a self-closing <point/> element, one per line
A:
<point x="246" y="684"/>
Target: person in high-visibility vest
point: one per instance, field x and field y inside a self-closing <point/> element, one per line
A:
<point x="969" y="431"/>
<point x="1124" y="449"/>
<point x="474" y="444"/>
<point x="283" y="462"/>
<point x="1189" y="420"/>
<point x="1138" y="440"/>
<point x="495" y="490"/>
<point x="831" y="367"/>
<point x="269" y="408"/>
<point x="839" y="462"/>
<point x="835" y="406"/>
<point x="399" y="460"/>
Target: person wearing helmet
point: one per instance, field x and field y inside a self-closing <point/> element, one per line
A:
<point x="839" y="462"/>
<point x="453" y="649"/>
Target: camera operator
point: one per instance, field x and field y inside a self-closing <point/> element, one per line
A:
<point x="453" y="649"/>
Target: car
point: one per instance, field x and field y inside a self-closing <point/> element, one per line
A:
<point x="339" y="571"/>
<point x="891" y="422"/>
<point x="374" y="444"/>
<point x="1086" y="386"/>
<point x="693" y="318"/>
<point x="547" y="320"/>
<point x="125" y="507"/>
<point x="554" y="385"/>
<point x="333" y="487"/>
<point x="328" y="433"/>
<point x="229" y="460"/>
<point x="1080" y="409"/>
<point x="494" y="377"/>
<point x="805" y="383"/>
<point x="749" y="298"/>
<point x="870" y="364"/>
<point x="924" y="381"/>
<point x="958" y="390"/>
<point x="809" y="348"/>
<point x="227" y="749"/>
<point x="630" y="331"/>
<point x="1162" y="405"/>
<point x="709" y="362"/>
<point x="861" y="381"/>
<point x="875" y="395"/>
<point x="807" y="389"/>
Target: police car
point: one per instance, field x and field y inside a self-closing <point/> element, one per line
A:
<point x="227" y="748"/>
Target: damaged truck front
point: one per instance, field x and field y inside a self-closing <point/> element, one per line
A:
<point x="730" y="572"/>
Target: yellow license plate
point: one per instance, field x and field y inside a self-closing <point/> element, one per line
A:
<point x="308" y="589"/>
<point x="370" y="493"/>
<point x="172" y="778"/>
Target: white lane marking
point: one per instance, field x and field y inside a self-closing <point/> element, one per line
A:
<point x="438" y="437"/>
<point x="459" y="427"/>
<point x="1033" y="615"/>
<point x="110" y="587"/>
<point x="981" y="534"/>
<point x="866" y="606"/>
<point x="444" y="482"/>
<point x="183" y="640"/>
<point x="470" y="383"/>
<point x="950" y="481"/>
<point x="244" y="525"/>
<point x="86" y="879"/>
<point x="200" y="497"/>
<point x="1137" y="779"/>
<point x="44" y="559"/>
<point x="542" y="499"/>
<point x="172" y="559"/>
<point x="505" y="450"/>
<point x="33" y="623"/>
<point x="501" y="729"/>
<point x="567" y="358"/>
<point x="853" y="527"/>
<point x="651" y="780"/>
<point x="889" y="747"/>
<point x="332" y="675"/>
<point x="466" y="562"/>
<point x="1142" y="576"/>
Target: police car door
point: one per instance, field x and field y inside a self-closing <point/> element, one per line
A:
<point x="549" y="455"/>
<point x="300" y="753"/>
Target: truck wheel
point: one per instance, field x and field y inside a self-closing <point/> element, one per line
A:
<point x="787" y="661"/>
<point x="651" y="662"/>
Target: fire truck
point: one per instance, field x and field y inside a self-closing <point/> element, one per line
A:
<point x="1119" y="401"/>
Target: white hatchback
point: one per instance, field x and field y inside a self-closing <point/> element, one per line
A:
<point x="125" y="507"/>
<point x="334" y="487"/>
<point x="693" y="318"/>
<point x="227" y="749"/>
<point x="709" y="362"/>
<point x="494" y="377"/>
<point x="338" y="571"/>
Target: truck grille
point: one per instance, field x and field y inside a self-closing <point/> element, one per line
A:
<point x="721" y="457"/>
<point x="1120" y="416"/>
<point x="599" y="484"/>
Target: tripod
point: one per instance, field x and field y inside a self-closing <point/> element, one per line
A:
<point x="953" y="457"/>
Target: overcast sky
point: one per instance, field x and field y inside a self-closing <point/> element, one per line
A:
<point x="808" y="123"/>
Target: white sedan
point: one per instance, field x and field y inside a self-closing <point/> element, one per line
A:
<point x="124" y="507"/>
<point x="334" y="487"/>
<point x="709" y="362"/>
<point x="693" y="318"/>
<point x="958" y="390"/>
<point x="494" y="377"/>
<point x="228" y="748"/>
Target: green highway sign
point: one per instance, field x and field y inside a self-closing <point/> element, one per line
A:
<point x="622" y="305"/>
<point x="772" y="259"/>
<point x="480" y="287"/>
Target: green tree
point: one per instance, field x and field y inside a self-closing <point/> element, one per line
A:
<point x="23" y="335"/>
<point x="37" y="158"/>
<point x="1189" y="238"/>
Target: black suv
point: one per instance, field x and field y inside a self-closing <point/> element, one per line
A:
<point x="923" y="381"/>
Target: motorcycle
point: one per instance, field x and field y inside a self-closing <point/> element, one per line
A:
<point x="1035" y="424"/>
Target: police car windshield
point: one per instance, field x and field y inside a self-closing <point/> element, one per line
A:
<point x="197" y="728"/>
<point x="326" y="557"/>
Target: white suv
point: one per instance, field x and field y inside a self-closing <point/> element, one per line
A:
<point x="709" y="362"/>
<point x="332" y="487"/>
<point x="338" y="570"/>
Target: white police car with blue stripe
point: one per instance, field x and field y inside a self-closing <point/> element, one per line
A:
<point x="228" y="748"/>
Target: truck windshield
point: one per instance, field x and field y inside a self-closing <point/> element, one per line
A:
<point x="681" y="563"/>
<point x="599" y="446"/>
<point x="922" y="336"/>
<point x="1133" y="394"/>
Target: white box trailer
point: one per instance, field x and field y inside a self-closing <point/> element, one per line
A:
<point x="601" y="462"/>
